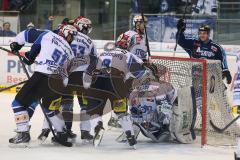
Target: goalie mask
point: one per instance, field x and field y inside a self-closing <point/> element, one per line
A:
<point x="68" y="32"/>
<point x="138" y="23"/>
<point x="83" y="25"/>
<point x="123" y="41"/>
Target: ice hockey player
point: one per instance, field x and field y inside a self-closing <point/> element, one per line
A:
<point x="137" y="46"/>
<point x="114" y="67"/>
<point x="152" y="104"/>
<point x="52" y="55"/>
<point x="85" y="53"/>
<point x="203" y="47"/>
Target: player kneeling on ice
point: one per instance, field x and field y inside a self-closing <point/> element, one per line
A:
<point x="52" y="55"/>
<point x="114" y="67"/>
<point x="156" y="112"/>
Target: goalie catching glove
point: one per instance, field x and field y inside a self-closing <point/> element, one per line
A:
<point x="181" y="25"/>
<point x="227" y="75"/>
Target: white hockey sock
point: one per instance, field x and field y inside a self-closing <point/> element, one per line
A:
<point x="126" y="123"/>
<point x="22" y="121"/>
<point x="85" y="121"/>
<point x="95" y="119"/>
<point x="45" y="124"/>
<point x="57" y="122"/>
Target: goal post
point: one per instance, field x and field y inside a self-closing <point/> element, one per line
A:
<point x="205" y="76"/>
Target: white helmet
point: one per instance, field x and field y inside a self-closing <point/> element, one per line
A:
<point x="83" y="25"/>
<point x="138" y="18"/>
<point x="67" y="30"/>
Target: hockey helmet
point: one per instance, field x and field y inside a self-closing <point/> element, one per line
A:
<point x="67" y="30"/>
<point x="138" y="18"/>
<point x="205" y="28"/>
<point x="83" y="25"/>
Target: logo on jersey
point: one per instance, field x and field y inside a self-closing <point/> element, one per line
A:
<point x="214" y="49"/>
<point x="204" y="53"/>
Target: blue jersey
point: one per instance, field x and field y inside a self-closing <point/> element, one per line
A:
<point x="198" y="49"/>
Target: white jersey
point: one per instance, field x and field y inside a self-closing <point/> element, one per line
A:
<point x="123" y="61"/>
<point x="84" y="49"/>
<point x="137" y="44"/>
<point x="151" y="98"/>
<point x="55" y="54"/>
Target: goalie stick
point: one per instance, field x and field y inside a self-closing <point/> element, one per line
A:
<point x="221" y="130"/>
<point x="67" y="144"/>
<point x="7" y="88"/>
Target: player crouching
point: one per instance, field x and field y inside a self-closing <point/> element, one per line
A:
<point x="52" y="55"/>
<point x="156" y="112"/>
<point x="114" y="67"/>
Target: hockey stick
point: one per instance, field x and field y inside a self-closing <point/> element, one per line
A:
<point x="177" y="38"/>
<point x="67" y="144"/>
<point x="6" y="50"/>
<point x="7" y="88"/>
<point x="221" y="130"/>
<point x="145" y="29"/>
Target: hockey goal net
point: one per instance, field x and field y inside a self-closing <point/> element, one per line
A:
<point x="205" y="76"/>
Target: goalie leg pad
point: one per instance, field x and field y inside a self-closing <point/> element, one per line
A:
<point x="184" y="116"/>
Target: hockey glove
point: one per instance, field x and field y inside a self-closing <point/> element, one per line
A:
<point x="181" y="25"/>
<point x="226" y="74"/>
<point x="26" y="58"/>
<point x="87" y="80"/>
<point x="15" y="47"/>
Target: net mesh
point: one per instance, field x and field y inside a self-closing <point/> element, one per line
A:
<point x="210" y="95"/>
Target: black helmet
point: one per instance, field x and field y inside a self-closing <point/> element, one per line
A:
<point x="204" y="27"/>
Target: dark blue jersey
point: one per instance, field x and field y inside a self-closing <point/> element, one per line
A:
<point x="198" y="49"/>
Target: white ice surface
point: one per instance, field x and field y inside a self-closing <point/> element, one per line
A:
<point x="109" y="148"/>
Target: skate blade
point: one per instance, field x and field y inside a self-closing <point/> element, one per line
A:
<point x="19" y="145"/>
<point x="97" y="140"/>
<point x="134" y="147"/>
<point x="72" y="140"/>
<point x="86" y="141"/>
<point x="42" y="140"/>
